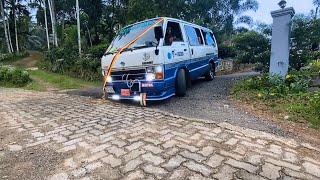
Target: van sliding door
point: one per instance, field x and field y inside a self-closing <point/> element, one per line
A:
<point x="198" y="63"/>
<point x="175" y="50"/>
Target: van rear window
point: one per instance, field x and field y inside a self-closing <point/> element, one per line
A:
<point x="208" y="38"/>
<point x="192" y="36"/>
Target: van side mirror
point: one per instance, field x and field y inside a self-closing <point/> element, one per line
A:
<point x="158" y="33"/>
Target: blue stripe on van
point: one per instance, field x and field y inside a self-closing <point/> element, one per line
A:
<point x="197" y="67"/>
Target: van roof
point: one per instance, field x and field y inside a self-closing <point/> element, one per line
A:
<point x="173" y="19"/>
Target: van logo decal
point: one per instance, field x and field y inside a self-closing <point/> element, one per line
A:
<point x="146" y="56"/>
<point x="122" y="64"/>
<point x="169" y="55"/>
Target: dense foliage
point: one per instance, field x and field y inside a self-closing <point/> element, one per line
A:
<point x="66" y="61"/>
<point x="5" y="58"/>
<point x="13" y="77"/>
<point x="305" y="41"/>
<point x="252" y="47"/>
<point x="290" y="96"/>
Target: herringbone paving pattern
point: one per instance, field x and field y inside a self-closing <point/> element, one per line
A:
<point x="107" y="140"/>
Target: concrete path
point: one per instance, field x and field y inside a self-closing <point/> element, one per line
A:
<point x="59" y="136"/>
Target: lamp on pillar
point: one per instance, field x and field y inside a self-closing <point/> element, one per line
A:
<point x="280" y="43"/>
<point x="282" y="4"/>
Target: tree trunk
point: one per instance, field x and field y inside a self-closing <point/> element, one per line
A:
<point x="5" y="26"/>
<point x="78" y="26"/>
<point x="9" y="34"/>
<point x="46" y="23"/>
<point x="89" y="34"/>
<point x="15" y="26"/>
<point x="53" y="22"/>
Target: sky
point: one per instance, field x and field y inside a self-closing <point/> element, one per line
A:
<point x="266" y="6"/>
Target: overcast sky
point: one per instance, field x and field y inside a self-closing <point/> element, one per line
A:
<point x="266" y="6"/>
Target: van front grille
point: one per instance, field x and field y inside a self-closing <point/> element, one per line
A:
<point x="126" y="75"/>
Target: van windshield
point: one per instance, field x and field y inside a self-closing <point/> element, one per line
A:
<point x="129" y="33"/>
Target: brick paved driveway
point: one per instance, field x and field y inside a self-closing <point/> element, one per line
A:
<point x="57" y="136"/>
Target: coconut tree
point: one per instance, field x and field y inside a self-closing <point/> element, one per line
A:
<point x="13" y="4"/>
<point x="46" y="23"/>
<point x="53" y="21"/>
<point x="78" y="26"/>
<point x="317" y="4"/>
<point x="5" y="25"/>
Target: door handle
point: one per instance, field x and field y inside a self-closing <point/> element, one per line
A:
<point x="185" y="49"/>
<point x="192" y="51"/>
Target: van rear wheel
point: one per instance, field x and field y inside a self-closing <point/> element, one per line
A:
<point x="181" y="83"/>
<point x="209" y="76"/>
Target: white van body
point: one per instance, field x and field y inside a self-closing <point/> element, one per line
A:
<point x="160" y="69"/>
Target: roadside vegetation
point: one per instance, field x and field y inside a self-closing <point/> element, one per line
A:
<point x="295" y="98"/>
<point x="13" y="77"/>
<point x="44" y="81"/>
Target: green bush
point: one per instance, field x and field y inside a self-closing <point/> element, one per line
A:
<point x="315" y="66"/>
<point x="10" y="76"/>
<point x="67" y="61"/>
<point x="13" y="57"/>
<point x="315" y="109"/>
<point x="97" y="51"/>
<point x="268" y="86"/>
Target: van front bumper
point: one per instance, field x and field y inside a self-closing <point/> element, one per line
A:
<point x="154" y="90"/>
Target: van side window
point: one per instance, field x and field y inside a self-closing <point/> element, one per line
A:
<point x="192" y="36"/>
<point x="199" y="36"/>
<point x="208" y="38"/>
<point x="173" y="33"/>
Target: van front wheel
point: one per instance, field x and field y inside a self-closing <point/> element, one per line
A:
<point x="209" y="76"/>
<point x="181" y="83"/>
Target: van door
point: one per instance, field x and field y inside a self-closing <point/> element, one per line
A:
<point x="175" y="49"/>
<point x="198" y="63"/>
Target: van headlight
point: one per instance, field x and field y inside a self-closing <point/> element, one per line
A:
<point x="155" y="73"/>
<point x="150" y="76"/>
<point x="109" y="79"/>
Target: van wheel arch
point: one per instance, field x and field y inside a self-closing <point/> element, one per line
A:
<point x="210" y="75"/>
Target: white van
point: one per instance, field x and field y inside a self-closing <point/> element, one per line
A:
<point x="162" y="62"/>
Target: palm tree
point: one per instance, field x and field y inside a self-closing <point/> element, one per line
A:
<point x="53" y="21"/>
<point x="46" y="23"/>
<point x="317" y="4"/>
<point x="78" y="26"/>
<point x="15" y="24"/>
<point x="5" y="25"/>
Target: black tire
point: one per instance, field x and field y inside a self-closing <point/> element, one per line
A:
<point x="181" y="83"/>
<point x="210" y="75"/>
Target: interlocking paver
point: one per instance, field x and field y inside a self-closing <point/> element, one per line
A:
<point x="92" y="136"/>
<point x="174" y="163"/>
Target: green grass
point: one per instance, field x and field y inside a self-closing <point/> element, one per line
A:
<point x="295" y="106"/>
<point x="42" y="81"/>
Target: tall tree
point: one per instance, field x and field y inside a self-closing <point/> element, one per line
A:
<point x="2" y="4"/>
<point x="317" y="4"/>
<point x="53" y="21"/>
<point x="78" y="26"/>
<point x="14" y="15"/>
<point x="46" y="23"/>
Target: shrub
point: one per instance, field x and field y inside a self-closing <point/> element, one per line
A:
<point x="315" y="66"/>
<point x="268" y="86"/>
<point x="67" y="61"/>
<point x="315" y="102"/>
<point x="13" y="57"/>
<point x="10" y="76"/>
<point x="97" y="51"/>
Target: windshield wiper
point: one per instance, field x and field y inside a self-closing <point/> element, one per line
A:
<point x="135" y="48"/>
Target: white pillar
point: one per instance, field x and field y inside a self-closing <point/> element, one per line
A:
<point x="280" y="44"/>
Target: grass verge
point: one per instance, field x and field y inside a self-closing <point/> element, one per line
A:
<point x="43" y="81"/>
<point x="294" y="107"/>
